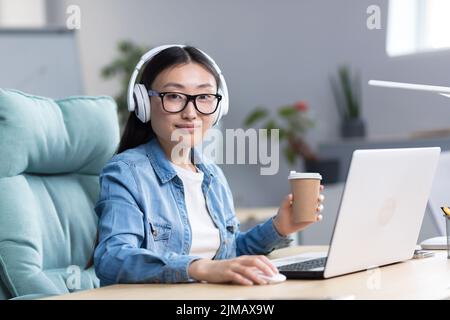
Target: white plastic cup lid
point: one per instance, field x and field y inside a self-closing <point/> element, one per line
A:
<point x="304" y="175"/>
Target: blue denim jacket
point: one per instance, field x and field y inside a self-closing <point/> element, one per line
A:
<point x="144" y="231"/>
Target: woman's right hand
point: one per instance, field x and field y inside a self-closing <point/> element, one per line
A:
<point x="241" y="270"/>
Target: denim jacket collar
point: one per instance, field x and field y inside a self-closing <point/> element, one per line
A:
<point x="162" y="166"/>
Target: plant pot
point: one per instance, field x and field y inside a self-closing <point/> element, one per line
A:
<point x="353" y="128"/>
<point x="328" y="168"/>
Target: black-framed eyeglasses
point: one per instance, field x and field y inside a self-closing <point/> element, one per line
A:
<point x="174" y="102"/>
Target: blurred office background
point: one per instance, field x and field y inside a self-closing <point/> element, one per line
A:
<point x="271" y="53"/>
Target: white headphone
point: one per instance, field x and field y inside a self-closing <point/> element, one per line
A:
<point x="137" y="94"/>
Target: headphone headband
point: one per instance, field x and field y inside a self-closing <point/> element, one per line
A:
<point x="138" y="100"/>
<point x="142" y="62"/>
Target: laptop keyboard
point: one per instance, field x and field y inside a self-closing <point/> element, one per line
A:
<point x="305" y="265"/>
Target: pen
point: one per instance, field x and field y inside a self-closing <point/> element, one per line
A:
<point x="446" y="211"/>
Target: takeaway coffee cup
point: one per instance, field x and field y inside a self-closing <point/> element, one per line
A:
<point x="305" y="188"/>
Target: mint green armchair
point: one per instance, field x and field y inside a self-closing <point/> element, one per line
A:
<point x="51" y="153"/>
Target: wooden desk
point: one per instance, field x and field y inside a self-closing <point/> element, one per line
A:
<point x="427" y="278"/>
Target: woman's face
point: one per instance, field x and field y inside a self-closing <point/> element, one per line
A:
<point x="190" y="78"/>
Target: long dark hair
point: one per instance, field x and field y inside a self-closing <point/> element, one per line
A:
<point x="137" y="132"/>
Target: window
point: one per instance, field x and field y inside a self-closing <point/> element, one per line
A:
<point x="22" y="14"/>
<point x="417" y="26"/>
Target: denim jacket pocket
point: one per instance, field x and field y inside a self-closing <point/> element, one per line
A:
<point x="232" y="227"/>
<point x="160" y="231"/>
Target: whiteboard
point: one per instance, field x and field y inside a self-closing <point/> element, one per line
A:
<point x="40" y="61"/>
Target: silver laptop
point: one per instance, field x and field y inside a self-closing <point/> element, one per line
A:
<point x="380" y="214"/>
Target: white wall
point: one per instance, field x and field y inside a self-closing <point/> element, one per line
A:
<point x="273" y="53"/>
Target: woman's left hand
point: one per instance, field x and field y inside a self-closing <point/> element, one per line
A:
<point x="284" y="220"/>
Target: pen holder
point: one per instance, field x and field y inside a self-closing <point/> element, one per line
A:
<point x="447" y="232"/>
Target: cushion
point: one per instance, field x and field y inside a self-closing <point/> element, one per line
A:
<point x="52" y="153"/>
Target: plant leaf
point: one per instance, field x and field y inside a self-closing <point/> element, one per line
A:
<point x="256" y="115"/>
<point x="271" y="124"/>
<point x="340" y="104"/>
<point x="357" y="94"/>
<point x="290" y="155"/>
<point x="287" y="111"/>
<point x="349" y="92"/>
<point x="282" y="134"/>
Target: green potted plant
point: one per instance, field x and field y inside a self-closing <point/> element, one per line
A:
<point x="293" y="122"/>
<point x="122" y="67"/>
<point x="347" y="94"/>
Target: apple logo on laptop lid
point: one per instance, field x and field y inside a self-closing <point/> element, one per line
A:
<point x="387" y="211"/>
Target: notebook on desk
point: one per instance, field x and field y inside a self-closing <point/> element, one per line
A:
<point x="380" y="214"/>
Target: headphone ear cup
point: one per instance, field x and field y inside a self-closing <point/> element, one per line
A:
<point x="142" y="102"/>
<point x="217" y="118"/>
<point x="224" y="104"/>
<point x="219" y="113"/>
<point x="225" y="100"/>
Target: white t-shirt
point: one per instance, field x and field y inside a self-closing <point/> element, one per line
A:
<point x="205" y="235"/>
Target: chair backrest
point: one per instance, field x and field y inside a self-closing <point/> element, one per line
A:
<point x="440" y="192"/>
<point x="51" y="153"/>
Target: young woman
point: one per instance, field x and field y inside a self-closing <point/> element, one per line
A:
<point x="166" y="218"/>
